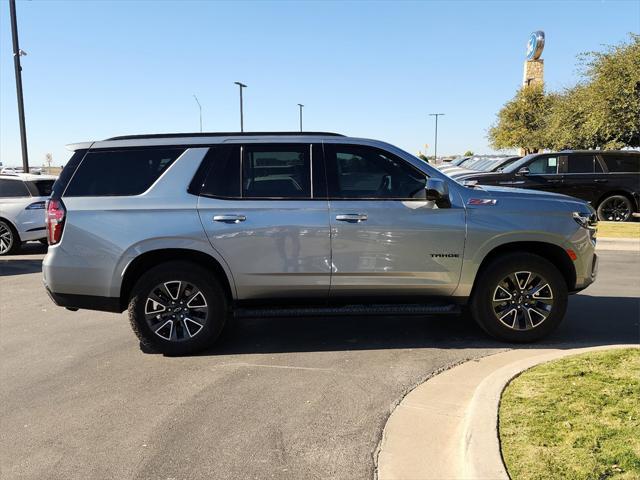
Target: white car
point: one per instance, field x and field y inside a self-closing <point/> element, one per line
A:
<point x="22" y="203"/>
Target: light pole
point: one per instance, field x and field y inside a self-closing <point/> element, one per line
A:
<point x="17" y="53"/>
<point x="435" y="147"/>
<point x="200" y="107"/>
<point x="241" y="85"/>
<point x="300" y="105"/>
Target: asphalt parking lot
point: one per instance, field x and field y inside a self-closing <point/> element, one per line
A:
<point x="278" y="398"/>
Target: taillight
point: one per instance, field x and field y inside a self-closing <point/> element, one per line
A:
<point x="55" y="216"/>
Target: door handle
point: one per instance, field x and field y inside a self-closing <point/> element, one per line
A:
<point x="229" y="218"/>
<point x="554" y="181"/>
<point x="601" y="180"/>
<point x="352" y="217"/>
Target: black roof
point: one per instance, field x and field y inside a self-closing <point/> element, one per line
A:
<point x="223" y="134"/>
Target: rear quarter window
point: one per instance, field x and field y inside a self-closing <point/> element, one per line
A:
<point x="40" y="188"/>
<point x="622" y="163"/>
<point x="120" y="172"/>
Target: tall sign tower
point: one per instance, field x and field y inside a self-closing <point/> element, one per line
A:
<point x="534" y="65"/>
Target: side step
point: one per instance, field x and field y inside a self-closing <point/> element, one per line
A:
<point x="387" y="309"/>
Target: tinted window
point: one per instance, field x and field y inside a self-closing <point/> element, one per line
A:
<point x="622" y="163"/>
<point x="543" y="166"/>
<point x="276" y="171"/>
<point x="66" y="173"/>
<point x="223" y="179"/>
<point x="580" y="164"/>
<point x="355" y="171"/>
<point x="120" y="172"/>
<point x="13" y="188"/>
<point x="40" y="188"/>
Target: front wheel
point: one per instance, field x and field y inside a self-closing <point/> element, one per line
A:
<point x="616" y="208"/>
<point x="177" y="308"/>
<point x="520" y="297"/>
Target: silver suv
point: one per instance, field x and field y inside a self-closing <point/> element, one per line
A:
<point x="186" y="230"/>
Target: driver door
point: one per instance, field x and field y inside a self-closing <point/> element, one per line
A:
<point x="386" y="239"/>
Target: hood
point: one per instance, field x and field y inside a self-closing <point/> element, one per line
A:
<point x="534" y="195"/>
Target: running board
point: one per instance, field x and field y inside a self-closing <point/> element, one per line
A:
<point x="387" y="309"/>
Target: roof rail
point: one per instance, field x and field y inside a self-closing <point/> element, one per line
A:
<point x="223" y="134"/>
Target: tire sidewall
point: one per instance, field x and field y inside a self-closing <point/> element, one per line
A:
<point x="482" y="306"/>
<point x="183" y="271"/>
<point x="611" y="197"/>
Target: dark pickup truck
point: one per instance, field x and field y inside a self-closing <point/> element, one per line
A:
<point x="609" y="180"/>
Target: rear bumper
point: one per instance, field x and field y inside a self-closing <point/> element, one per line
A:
<point x="86" y="302"/>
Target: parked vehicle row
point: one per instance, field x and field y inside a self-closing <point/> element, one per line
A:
<point x="608" y="180"/>
<point x="207" y="225"/>
<point x="22" y="206"/>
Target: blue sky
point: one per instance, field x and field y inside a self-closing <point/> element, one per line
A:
<point x="372" y="69"/>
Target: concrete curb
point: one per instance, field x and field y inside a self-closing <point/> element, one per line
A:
<point x="610" y="243"/>
<point x="446" y="428"/>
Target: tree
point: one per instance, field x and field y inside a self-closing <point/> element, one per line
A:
<point x="523" y="121"/>
<point x="468" y="153"/>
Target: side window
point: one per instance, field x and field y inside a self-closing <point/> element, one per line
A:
<point x="623" y="163"/>
<point x="223" y="179"/>
<point x="276" y="171"/>
<point x="120" y="172"/>
<point x="543" y="166"/>
<point x="580" y="164"/>
<point x="13" y="188"/>
<point x="355" y="171"/>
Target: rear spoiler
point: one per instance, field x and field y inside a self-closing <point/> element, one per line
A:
<point x="79" y="146"/>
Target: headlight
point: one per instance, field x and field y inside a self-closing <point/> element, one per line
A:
<point x="586" y="220"/>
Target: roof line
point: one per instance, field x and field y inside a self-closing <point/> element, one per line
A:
<point x="222" y="134"/>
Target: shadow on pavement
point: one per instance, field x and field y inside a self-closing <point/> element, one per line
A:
<point x="19" y="265"/>
<point x="590" y="321"/>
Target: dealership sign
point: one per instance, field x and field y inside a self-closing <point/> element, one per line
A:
<point x="535" y="45"/>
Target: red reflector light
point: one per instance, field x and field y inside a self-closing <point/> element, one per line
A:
<point x="54" y="219"/>
<point x="572" y="254"/>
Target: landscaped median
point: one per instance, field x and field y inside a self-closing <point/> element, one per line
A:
<point x="577" y="417"/>
<point x="618" y="236"/>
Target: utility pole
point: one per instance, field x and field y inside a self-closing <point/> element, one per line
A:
<point x="200" y="107"/>
<point x="435" y="146"/>
<point x="300" y="105"/>
<point x="17" y="53"/>
<point x="241" y="85"/>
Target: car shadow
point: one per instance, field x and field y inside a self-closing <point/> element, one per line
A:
<point x="590" y="321"/>
<point x="19" y="265"/>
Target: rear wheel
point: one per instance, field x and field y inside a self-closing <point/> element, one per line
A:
<point x="519" y="298"/>
<point x="177" y="308"/>
<point x="9" y="239"/>
<point x="616" y="208"/>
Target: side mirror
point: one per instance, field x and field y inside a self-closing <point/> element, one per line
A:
<point x="524" y="171"/>
<point x="437" y="190"/>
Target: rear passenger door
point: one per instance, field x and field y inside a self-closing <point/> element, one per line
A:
<point x="265" y="211"/>
<point x="386" y="239"/>
<point x="584" y="177"/>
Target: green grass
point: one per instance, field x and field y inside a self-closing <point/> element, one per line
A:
<point x="575" y="418"/>
<point x="619" y="229"/>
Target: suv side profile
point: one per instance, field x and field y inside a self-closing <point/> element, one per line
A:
<point x="608" y="180"/>
<point x="187" y="230"/>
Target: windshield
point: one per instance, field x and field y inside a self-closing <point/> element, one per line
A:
<point x="515" y="166"/>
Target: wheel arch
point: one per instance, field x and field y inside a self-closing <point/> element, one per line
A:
<point x="629" y="195"/>
<point x="152" y="258"/>
<point x="549" y="251"/>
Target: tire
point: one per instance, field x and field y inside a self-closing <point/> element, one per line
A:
<point x="615" y="208"/>
<point x="9" y="239"/>
<point x="535" y="316"/>
<point x="161" y="322"/>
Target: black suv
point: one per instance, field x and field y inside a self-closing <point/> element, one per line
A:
<point x="609" y="180"/>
